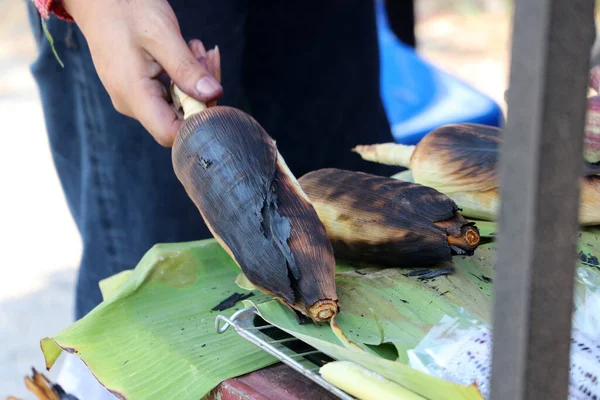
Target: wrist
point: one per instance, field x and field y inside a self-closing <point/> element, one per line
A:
<point x="56" y="7"/>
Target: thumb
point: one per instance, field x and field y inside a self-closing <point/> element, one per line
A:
<point x="188" y="73"/>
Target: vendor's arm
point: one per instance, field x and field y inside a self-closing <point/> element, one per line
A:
<point x="132" y="43"/>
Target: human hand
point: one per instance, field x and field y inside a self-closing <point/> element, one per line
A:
<point x="133" y="45"/>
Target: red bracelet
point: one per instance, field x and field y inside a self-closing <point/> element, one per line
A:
<point x="46" y="7"/>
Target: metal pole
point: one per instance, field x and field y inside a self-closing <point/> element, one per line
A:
<point x="540" y="165"/>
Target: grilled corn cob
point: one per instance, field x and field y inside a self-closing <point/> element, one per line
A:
<point x="254" y="206"/>
<point x="386" y="221"/>
<point x="460" y="160"/>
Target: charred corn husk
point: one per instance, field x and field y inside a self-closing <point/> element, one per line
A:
<point x="461" y="161"/>
<point x="458" y="157"/>
<point x="386" y="221"/>
<point x="43" y="388"/>
<point x="254" y="206"/>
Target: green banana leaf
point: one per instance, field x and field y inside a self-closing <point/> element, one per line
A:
<point x="487" y="229"/>
<point x="468" y="289"/>
<point x="157" y="318"/>
<point x="153" y="336"/>
<point x="399" y="306"/>
<point x="339" y="348"/>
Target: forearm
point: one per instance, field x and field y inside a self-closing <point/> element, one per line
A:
<point x="47" y="7"/>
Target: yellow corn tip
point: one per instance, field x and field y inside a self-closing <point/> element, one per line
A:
<point x="364" y="384"/>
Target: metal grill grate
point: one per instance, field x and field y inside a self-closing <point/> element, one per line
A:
<point x="290" y="350"/>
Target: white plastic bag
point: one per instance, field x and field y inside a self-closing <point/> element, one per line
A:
<point x="458" y="349"/>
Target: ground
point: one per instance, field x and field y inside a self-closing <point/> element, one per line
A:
<point x="40" y="244"/>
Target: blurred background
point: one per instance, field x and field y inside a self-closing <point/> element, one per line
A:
<point x="40" y="244"/>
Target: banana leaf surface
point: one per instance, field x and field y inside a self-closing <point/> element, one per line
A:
<point x="154" y="337"/>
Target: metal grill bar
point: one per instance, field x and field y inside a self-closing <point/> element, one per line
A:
<point x="249" y="333"/>
<point x="540" y="166"/>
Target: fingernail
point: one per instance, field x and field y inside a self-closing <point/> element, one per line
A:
<point x="208" y="86"/>
<point x="216" y="49"/>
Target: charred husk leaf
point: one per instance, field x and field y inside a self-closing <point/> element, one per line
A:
<point x="386" y="221"/>
<point x="254" y="207"/>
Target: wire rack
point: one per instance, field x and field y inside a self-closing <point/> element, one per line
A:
<point x="290" y="350"/>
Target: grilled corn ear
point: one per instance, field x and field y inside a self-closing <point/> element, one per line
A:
<point x="386" y="221"/>
<point x="461" y="161"/>
<point x="254" y="207"/>
<point x="452" y="158"/>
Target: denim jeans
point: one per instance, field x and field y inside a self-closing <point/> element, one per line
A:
<point x="307" y="71"/>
